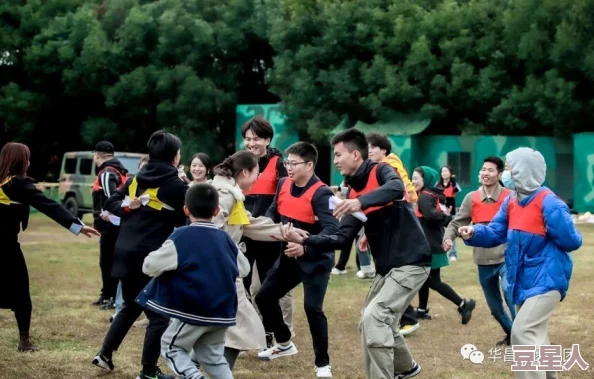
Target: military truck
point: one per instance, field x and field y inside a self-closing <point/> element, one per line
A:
<point x="77" y="175"/>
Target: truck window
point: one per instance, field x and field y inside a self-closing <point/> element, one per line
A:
<point x="86" y="166"/>
<point x="130" y="163"/>
<point x="70" y="166"/>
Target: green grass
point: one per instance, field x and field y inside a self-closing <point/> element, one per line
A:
<point x="65" y="279"/>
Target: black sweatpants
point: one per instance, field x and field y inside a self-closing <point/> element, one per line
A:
<point x="434" y="282"/>
<point x="14" y="285"/>
<point x="282" y="279"/>
<point x="264" y="254"/>
<point x="127" y="316"/>
<point x="107" y="244"/>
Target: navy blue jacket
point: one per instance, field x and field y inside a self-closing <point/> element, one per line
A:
<point x="195" y="272"/>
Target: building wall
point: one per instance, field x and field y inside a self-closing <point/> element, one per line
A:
<point x="283" y="135"/>
<point x="583" y="146"/>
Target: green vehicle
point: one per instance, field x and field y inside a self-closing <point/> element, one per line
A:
<point x="77" y="176"/>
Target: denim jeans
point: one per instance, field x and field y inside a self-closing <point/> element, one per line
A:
<point x="493" y="282"/>
<point x="119" y="301"/>
<point x="453" y="252"/>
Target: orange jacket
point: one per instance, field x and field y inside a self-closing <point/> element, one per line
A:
<point x="397" y="165"/>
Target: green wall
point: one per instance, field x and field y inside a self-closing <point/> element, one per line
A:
<point x="583" y="145"/>
<point x="283" y="135"/>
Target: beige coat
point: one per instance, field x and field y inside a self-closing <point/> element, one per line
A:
<point x="248" y="333"/>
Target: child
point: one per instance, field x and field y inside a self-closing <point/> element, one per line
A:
<point x="194" y="285"/>
<point x="539" y="232"/>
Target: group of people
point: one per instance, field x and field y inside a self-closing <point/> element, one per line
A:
<point x="268" y="217"/>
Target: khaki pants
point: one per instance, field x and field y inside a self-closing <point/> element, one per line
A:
<point x="385" y="351"/>
<point x="286" y="302"/>
<point x="531" y="326"/>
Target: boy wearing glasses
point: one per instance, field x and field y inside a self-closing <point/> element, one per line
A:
<point x="302" y="200"/>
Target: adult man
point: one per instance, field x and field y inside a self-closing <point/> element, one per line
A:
<point x="303" y="200"/>
<point x="399" y="248"/>
<point x="111" y="175"/>
<point x="479" y="207"/>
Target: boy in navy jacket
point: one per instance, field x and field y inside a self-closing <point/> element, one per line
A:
<point x="194" y="284"/>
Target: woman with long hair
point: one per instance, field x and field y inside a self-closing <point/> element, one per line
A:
<point x="17" y="193"/>
<point x="447" y="183"/>
<point x="233" y="176"/>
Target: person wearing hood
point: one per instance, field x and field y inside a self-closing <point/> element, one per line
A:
<point x="398" y="246"/>
<point x="433" y="216"/>
<point x="150" y="205"/>
<point x="257" y="134"/>
<point x="540" y="234"/>
<point x="111" y="175"/>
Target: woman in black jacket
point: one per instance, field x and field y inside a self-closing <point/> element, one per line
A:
<point x="17" y="193"/>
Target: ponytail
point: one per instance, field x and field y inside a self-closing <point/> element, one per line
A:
<point x="231" y="166"/>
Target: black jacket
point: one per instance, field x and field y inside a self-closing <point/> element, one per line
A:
<point x="109" y="181"/>
<point x="433" y="220"/>
<point x="394" y="234"/>
<point x="257" y="205"/>
<point x="145" y="229"/>
<point x="314" y="259"/>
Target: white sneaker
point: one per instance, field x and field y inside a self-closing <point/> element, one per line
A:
<point x="277" y="351"/>
<point x="336" y="271"/>
<point x="365" y="275"/>
<point x="323" y="372"/>
<point x="453" y="259"/>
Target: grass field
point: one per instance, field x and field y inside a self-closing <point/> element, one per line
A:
<point x="65" y="279"/>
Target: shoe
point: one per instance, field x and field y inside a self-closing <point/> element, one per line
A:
<point x="99" y="301"/>
<point x="408" y="329"/>
<point x="277" y="351"/>
<point x="365" y="275"/>
<point x="336" y="271"/>
<point x="269" y="341"/>
<point x="506" y="341"/>
<point x="25" y="344"/>
<point x="157" y="375"/>
<point x="103" y="362"/>
<point x="324" y="372"/>
<point x="466" y="310"/>
<point x="109" y="304"/>
<point x="414" y="371"/>
<point x="423" y="314"/>
<point x="453" y="259"/>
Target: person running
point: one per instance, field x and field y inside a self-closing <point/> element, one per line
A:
<point x="537" y="227"/>
<point x="398" y="246"/>
<point x="150" y="206"/>
<point x="17" y="193"/>
<point x="433" y="216"/>
<point x="301" y="199"/>
<point x="479" y="207"/>
<point x="447" y="182"/>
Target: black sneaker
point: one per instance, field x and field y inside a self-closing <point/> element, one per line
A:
<point x="414" y="371"/>
<point x="505" y="342"/>
<point x="423" y="315"/>
<point x="466" y="310"/>
<point x="109" y="304"/>
<point x="269" y="340"/>
<point x="103" y="362"/>
<point x="99" y="301"/>
<point x="156" y="375"/>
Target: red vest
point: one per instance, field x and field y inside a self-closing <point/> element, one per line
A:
<point x="449" y="190"/>
<point x="267" y="181"/>
<point x="297" y="208"/>
<point x="372" y="184"/>
<point x="437" y="205"/>
<point x="97" y="184"/>
<point x="484" y="212"/>
<point x="528" y="219"/>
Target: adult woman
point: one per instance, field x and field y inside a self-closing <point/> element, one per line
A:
<point x="447" y="183"/>
<point x="433" y="216"/>
<point x="17" y="193"/>
<point x="235" y="175"/>
<point x="200" y="168"/>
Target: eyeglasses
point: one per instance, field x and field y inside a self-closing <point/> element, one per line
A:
<point x="288" y="164"/>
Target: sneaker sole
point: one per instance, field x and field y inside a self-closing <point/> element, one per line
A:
<point x="278" y="356"/>
<point x="412" y="374"/>
<point x="101" y="364"/>
<point x="409" y="331"/>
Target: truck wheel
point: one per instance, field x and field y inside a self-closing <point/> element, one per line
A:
<point x="72" y="205"/>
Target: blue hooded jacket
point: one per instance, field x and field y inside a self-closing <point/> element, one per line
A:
<point x="535" y="264"/>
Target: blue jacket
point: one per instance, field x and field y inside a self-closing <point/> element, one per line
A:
<point x="195" y="272"/>
<point x="535" y="264"/>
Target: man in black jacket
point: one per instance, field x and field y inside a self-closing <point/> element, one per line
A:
<point x="150" y="206"/>
<point x="400" y="250"/>
<point x="111" y="175"/>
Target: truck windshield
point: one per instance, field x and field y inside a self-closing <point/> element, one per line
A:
<point x="131" y="164"/>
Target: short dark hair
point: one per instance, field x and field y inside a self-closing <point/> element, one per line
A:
<point x="305" y="150"/>
<point x="496" y="161"/>
<point x="205" y="159"/>
<point x="259" y="126"/>
<point x="163" y="146"/>
<point x="381" y="141"/>
<point x="202" y="200"/>
<point x="353" y="139"/>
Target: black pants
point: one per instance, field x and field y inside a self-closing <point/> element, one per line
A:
<point x="264" y="254"/>
<point x="282" y="279"/>
<point x="409" y="317"/>
<point x="434" y="282"/>
<point x="107" y="244"/>
<point x="14" y="286"/>
<point x="128" y="315"/>
<point x="345" y="254"/>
